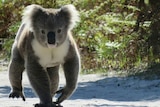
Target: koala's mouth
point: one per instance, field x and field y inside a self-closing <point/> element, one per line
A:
<point x="52" y="45"/>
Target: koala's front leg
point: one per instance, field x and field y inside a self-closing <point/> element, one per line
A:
<point x="71" y="69"/>
<point x="16" y="68"/>
<point x="54" y="79"/>
<point x="39" y="80"/>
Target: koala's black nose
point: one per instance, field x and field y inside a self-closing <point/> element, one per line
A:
<point x="51" y="37"/>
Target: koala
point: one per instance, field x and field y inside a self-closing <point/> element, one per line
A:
<point x="44" y="43"/>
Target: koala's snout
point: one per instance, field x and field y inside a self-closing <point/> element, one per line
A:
<point x="51" y="37"/>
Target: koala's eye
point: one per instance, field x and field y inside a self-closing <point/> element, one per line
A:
<point x="59" y="31"/>
<point x="42" y="31"/>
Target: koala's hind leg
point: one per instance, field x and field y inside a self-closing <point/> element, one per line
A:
<point x="16" y="68"/>
<point x="53" y="73"/>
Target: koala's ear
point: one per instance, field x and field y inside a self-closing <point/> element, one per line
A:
<point x="29" y="14"/>
<point x="71" y="15"/>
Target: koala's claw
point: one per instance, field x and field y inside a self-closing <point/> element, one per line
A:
<point x="59" y="91"/>
<point x="63" y="95"/>
<point x="17" y="95"/>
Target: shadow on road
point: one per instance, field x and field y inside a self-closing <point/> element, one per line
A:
<point x="112" y="89"/>
<point x="118" y="89"/>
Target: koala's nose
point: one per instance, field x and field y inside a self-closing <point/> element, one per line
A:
<point x="51" y="37"/>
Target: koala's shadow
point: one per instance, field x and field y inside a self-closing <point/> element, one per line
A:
<point x="5" y="90"/>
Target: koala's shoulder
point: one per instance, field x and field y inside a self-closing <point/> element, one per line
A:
<point x="73" y="49"/>
<point x="23" y="39"/>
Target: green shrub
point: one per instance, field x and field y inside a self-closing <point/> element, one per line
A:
<point x="105" y="35"/>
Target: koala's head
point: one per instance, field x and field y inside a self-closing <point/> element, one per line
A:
<point x="50" y="26"/>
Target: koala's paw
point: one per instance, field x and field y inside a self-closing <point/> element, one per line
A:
<point x="48" y="105"/>
<point x="64" y="94"/>
<point x="43" y="105"/>
<point x="17" y="94"/>
<point x="57" y="104"/>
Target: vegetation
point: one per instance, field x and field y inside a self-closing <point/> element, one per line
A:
<point x="112" y="34"/>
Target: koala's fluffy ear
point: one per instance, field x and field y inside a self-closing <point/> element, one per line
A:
<point x="71" y="14"/>
<point x="29" y="13"/>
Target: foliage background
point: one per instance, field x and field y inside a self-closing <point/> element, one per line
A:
<point x="112" y="34"/>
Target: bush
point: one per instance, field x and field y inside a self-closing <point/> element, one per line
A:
<point x="106" y="34"/>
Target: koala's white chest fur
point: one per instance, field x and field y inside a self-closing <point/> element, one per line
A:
<point x="50" y="57"/>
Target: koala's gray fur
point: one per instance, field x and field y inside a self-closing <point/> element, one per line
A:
<point x="42" y="44"/>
